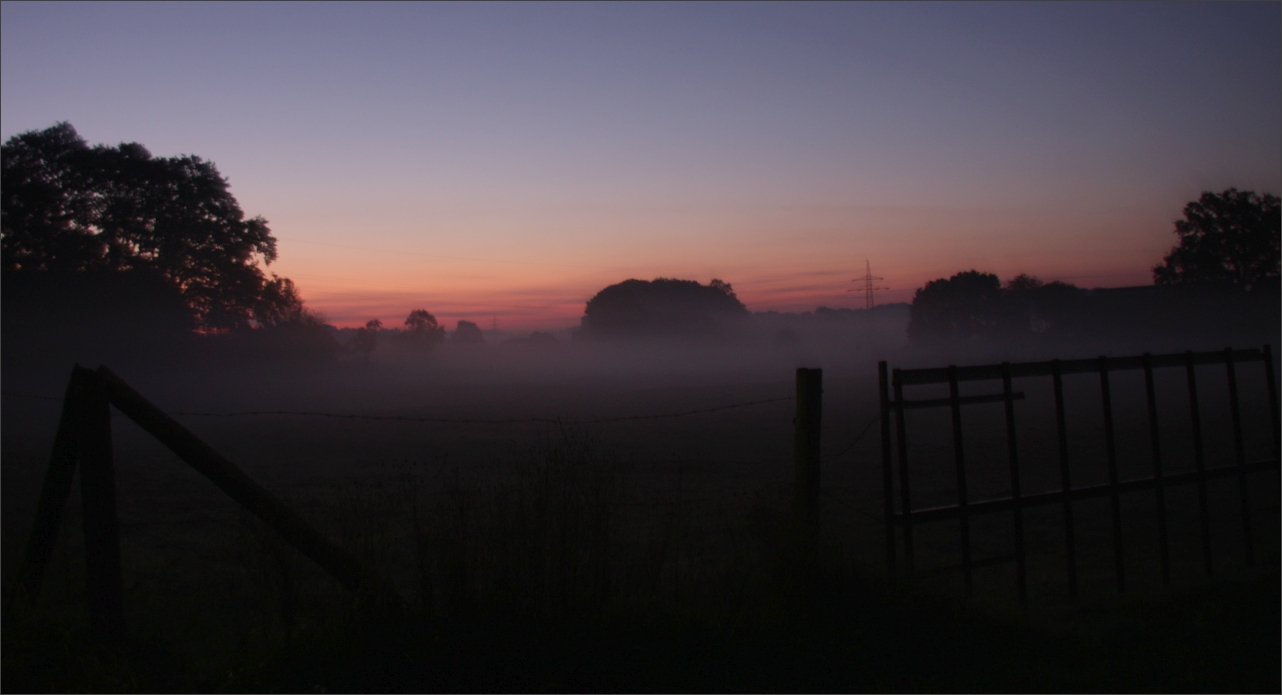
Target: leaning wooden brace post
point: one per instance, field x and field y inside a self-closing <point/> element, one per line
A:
<point x="105" y="593"/>
<point x="53" y="495"/>
<point x="806" y="449"/>
<point x="241" y="488"/>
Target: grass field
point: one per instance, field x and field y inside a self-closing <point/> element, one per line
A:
<point x="643" y="555"/>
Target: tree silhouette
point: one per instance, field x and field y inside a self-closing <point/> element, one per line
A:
<point x="421" y="328"/>
<point x="367" y="338"/>
<point x="974" y="306"/>
<point x="71" y="207"/>
<point x="468" y="332"/>
<point x="1024" y="283"/>
<point x="420" y="320"/>
<point x="1229" y="238"/>
<point x="661" y="307"/>
<point x="126" y="313"/>
<point x="1033" y="306"/>
<point x="963" y="307"/>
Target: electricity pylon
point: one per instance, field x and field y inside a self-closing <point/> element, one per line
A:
<point x="868" y="287"/>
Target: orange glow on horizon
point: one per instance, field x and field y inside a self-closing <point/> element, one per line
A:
<point x="784" y="258"/>
<point x="558" y="307"/>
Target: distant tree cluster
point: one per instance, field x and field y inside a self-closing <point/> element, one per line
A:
<point x="662" y="306"/>
<point x="1229" y="243"/>
<point x="421" y="331"/>
<point x="69" y="207"/>
<point x="972" y="305"/>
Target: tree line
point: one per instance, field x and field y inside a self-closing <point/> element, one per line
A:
<point x="1228" y="243"/>
<point x="114" y="244"/>
<point x="421" y="330"/>
<point x="94" y="225"/>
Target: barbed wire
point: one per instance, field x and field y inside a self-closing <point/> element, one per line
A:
<point x="451" y="421"/>
<point x="557" y="421"/>
<point x="856" y="441"/>
<point x="31" y="395"/>
<point x="851" y="507"/>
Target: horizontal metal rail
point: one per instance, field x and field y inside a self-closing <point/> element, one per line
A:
<point x="939" y="375"/>
<point x="962" y="400"/>
<point x="1082" y="493"/>
<point x="974" y="564"/>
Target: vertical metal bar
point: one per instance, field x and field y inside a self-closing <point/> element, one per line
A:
<point x="1239" y="452"/>
<point x="105" y="594"/>
<point x="1111" y="447"/>
<point x="1016" y="497"/>
<point x="887" y="469"/>
<point x="1160" y="489"/>
<point x="959" y="457"/>
<point x="1065" y="479"/>
<point x="1195" y="421"/>
<point x="905" y="503"/>
<point x="53" y="495"/>
<point x="1273" y="401"/>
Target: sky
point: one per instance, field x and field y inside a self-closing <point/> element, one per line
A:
<point x="502" y="163"/>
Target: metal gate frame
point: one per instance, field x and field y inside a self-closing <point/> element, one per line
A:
<point x="907" y="516"/>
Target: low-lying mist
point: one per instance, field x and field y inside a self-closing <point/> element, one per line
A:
<point x="512" y="488"/>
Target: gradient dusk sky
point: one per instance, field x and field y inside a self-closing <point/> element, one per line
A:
<point x="509" y="161"/>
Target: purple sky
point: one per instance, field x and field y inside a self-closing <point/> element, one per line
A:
<point x="511" y="160"/>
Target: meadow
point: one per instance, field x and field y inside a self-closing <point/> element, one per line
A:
<point x="643" y="554"/>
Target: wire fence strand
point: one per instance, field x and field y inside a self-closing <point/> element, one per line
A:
<point x="851" y="445"/>
<point x="438" y="420"/>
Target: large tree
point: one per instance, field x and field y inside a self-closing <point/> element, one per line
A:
<point x="1227" y="239"/>
<point x="71" y="207"/>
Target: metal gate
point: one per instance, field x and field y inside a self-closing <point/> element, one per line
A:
<point x="895" y="455"/>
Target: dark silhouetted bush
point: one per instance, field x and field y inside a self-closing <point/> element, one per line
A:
<point x="663" y="306"/>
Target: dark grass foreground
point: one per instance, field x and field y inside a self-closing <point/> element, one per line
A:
<point x="565" y="574"/>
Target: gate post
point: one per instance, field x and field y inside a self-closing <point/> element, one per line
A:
<point x="887" y="475"/>
<point x="806" y="448"/>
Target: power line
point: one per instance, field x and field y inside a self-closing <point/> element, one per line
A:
<point x="31" y="395"/>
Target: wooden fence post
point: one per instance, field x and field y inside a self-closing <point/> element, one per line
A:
<point x="105" y="594"/>
<point x="806" y="448"/>
<point x="53" y="495"/>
